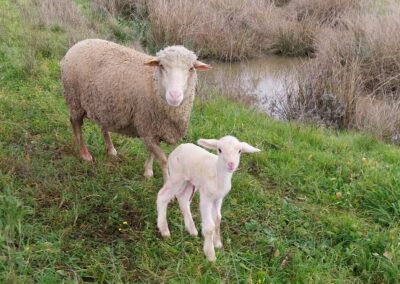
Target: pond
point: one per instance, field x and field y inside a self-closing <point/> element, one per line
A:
<point x="258" y="82"/>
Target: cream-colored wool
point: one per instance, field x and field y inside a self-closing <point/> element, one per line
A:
<point x="116" y="87"/>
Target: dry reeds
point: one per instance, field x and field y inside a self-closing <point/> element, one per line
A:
<point x="360" y="67"/>
<point x="229" y="30"/>
<point x="328" y="12"/>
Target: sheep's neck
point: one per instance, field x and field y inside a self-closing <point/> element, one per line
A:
<point x="223" y="177"/>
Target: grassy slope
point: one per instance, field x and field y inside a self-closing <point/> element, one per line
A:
<point x="62" y="219"/>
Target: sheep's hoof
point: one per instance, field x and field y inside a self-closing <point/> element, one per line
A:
<point x="148" y="173"/>
<point x="87" y="157"/>
<point x="112" y="152"/>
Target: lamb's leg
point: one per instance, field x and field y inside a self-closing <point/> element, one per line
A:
<point x="184" y="199"/>
<point x="148" y="166"/>
<point x="207" y="226"/>
<point x="165" y="195"/>
<point x="154" y="147"/>
<point x="217" y="219"/>
<point x="77" y="127"/>
<point x="109" y="144"/>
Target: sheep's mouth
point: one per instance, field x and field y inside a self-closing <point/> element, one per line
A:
<point x="174" y="103"/>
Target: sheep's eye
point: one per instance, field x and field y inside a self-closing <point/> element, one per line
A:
<point x="191" y="69"/>
<point x="219" y="150"/>
<point x="240" y="151"/>
<point x="161" y="67"/>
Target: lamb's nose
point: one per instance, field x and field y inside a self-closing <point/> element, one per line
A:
<point x="231" y="165"/>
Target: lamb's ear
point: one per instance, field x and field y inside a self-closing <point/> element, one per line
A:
<point x="152" y="62"/>
<point x="200" y="66"/>
<point x="208" y="143"/>
<point x="247" y="148"/>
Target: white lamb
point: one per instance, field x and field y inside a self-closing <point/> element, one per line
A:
<point x="190" y="168"/>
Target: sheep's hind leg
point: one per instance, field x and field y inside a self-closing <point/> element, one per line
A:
<point x="184" y="199"/>
<point x="77" y="127"/>
<point x="164" y="196"/>
<point x="109" y="144"/>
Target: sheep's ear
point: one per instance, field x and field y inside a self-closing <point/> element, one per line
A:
<point x="208" y="143"/>
<point x="247" y="148"/>
<point x="152" y="62"/>
<point x="200" y="66"/>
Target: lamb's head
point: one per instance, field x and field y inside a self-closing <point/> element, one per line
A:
<point x="229" y="149"/>
<point x="176" y="73"/>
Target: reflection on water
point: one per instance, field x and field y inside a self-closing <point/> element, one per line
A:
<point x="259" y="80"/>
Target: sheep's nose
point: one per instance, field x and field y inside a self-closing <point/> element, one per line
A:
<point x="231" y="165"/>
<point x="175" y="95"/>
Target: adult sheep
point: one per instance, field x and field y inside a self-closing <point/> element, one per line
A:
<point x="131" y="93"/>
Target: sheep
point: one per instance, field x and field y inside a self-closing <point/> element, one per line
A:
<point x="192" y="167"/>
<point x="131" y="93"/>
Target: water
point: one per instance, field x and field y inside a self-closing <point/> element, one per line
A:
<point x="258" y="81"/>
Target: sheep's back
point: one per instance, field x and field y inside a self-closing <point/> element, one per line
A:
<point x="110" y="81"/>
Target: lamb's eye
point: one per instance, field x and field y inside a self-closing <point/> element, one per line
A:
<point x="161" y="67"/>
<point x="240" y="151"/>
<point x="191" y="69"/>
<point x="219" y="150"/>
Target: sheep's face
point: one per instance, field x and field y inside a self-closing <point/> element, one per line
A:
<point x="176" y="71"/>
<point x="229" y="149"/>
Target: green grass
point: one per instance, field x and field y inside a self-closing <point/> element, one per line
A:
<point x="314" y="206"/>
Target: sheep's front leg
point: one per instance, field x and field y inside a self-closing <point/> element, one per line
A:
<point x="154" y="148"/>
<point x="148" y="166"/>
<point x="208" y="227"/>
<point x="217" y="219"/>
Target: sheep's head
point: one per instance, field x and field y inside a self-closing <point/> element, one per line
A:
<point x="176" y="72"/>
<point x="229" y="149"/>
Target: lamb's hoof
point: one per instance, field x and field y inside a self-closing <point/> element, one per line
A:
<point x="163" y="229"/>
<point x="112" y="152"/>
<point x="211" y="257"/>
<point x="87" y="157"/>
<point x="148" y="173"/>
<point x="218" y="244"/>
<point x="165" y="234"/>
<point x="193" y="232"/>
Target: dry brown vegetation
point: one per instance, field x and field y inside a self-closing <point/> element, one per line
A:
<point x="223" y="29"/>
<point x="358" y="67"/>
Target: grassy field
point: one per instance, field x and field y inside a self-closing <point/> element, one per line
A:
<point x="315" y="206"/>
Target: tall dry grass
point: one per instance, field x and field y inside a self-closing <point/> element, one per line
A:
<point x="230" y="30"/>
<point x="223" y="29"/>
<point x="125" y="8"/>
<point x="233" y="29"/>
<point x="327" y="12"/>
<point x="359" y="68"/>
